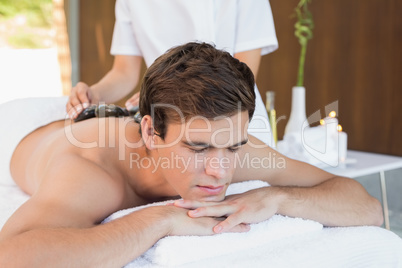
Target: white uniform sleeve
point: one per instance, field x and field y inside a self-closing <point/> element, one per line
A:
<point x="255" y="27"/>
<point x="124" y="42"/>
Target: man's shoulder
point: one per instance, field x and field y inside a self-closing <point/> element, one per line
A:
<point x="79" y="183"/>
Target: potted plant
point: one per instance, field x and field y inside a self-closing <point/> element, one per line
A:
<point x="303" y="32"/>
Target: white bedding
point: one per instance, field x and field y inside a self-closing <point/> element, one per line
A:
<point x="327" y="247"/>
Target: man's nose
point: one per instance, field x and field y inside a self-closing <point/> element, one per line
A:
<point x="217" y="167"/>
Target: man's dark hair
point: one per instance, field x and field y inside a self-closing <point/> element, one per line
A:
<point x="198" y="80"/>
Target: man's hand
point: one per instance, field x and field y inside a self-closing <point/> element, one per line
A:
<point x="80" y="98"/>
<point x="241" y="209"/>
<point x="181" y="224"/>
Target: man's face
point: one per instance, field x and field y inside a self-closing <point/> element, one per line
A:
<point x="202" y="155"/>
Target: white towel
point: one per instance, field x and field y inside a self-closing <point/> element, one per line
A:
<point x="179" y="250"/>
<point x="19" y="118"/>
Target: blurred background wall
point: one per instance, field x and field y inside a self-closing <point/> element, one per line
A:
<point x="355" y="57"/>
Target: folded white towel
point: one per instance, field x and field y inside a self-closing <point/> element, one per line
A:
<point x="179" y="250"/>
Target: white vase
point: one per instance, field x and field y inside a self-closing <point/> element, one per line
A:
<point x="297" y="120"/>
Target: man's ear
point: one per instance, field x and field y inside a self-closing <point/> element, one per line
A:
<point x="147" y="132"/>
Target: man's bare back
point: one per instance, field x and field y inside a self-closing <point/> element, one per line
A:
<point x="51" y="149"/>
<point x="30" y="153"/>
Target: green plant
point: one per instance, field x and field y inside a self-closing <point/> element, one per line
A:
<point x="303" y="32"/>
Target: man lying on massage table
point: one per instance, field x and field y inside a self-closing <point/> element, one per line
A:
<point x="192" y="142"/>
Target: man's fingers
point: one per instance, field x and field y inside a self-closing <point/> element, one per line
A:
<point x="184" y="204"/>
<point x="192" y="204"/>
<point x="228" y="224"/>
<point x="212" y="211"/>
<point x="241" y="228"/>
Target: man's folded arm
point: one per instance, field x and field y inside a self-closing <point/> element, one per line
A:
<point x="109" y="245"/>
<point x="301" y="190"/>
<point x="58" y="224"/>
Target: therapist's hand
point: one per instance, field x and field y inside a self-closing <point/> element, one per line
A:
<point x="250" y="207"/>
<point x="80" y="98"/>
<point x="133" y="101"/>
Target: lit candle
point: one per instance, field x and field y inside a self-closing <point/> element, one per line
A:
<point x="343" y="144"/>
<point x="330" y="123"/>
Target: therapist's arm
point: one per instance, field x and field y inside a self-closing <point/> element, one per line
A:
<point x="116" y="84"/>
<point x="252" y="58"/>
